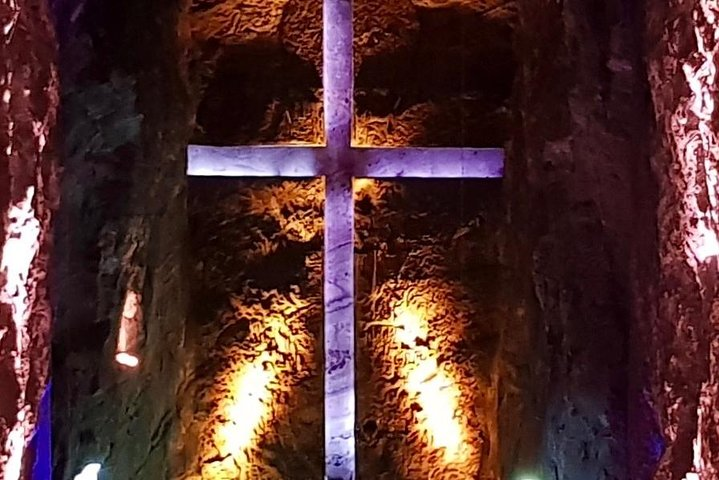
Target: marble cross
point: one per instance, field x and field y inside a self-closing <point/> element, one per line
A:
<point x="339" y="162"/>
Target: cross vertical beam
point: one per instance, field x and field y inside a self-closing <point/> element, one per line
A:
<point x="339" y="329"/>
<point x="339" y="242"/>
<point x="337" y="74"/>
<point x="338" y="162"/>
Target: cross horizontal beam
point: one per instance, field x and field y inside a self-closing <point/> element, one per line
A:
<point x="428" y="162"/>
<point x="292" y="162"/>
<point x="307" y="162"/>
<point x="339" y="162"/>
<point x="339" y="165"/>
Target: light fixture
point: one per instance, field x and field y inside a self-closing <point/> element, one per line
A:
<point x="527" y="476"/>
<point x="130" y="331"/>
<point x="127" y="359"/>
<point x="90" y="472"/>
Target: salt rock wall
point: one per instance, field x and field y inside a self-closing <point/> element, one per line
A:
<point x="581" y="206"/>
<point x="252" y="404"/>
<point x="28" y="196"/>
<point x="421" y="69"/>
<point x="682" y="41"/>
<point x="429" y="311"/>
<point x="121" y="227"/>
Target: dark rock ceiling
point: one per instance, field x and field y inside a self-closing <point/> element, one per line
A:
<point x="418" y="64"/>
<point x="298" y="22"/>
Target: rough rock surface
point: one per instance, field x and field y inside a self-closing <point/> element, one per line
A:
<point x="126" y="116"/>
<point x="581" y="209"/>
<point x="682" y="41"/>
<point x="428" y="282"/>
<point x="255" y="331"/>
<point x="416" y="65"/>
<point x="28" y="196"/>
<point x="610" y="348"/>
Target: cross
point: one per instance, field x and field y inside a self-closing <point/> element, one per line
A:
<point x="339" y="162"/>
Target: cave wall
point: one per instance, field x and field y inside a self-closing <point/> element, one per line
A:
<point x="429" y="245"/>
<point x="593" y="363"/>
<point x="253" y="400"/>
<point x="125" y="123"/>
<point x="28" y="196"/>
<point x="581" y="214"/>
<point x="681" y="41"/>
<point x="427" y="72"/>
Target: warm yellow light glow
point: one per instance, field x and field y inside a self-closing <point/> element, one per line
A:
<point x="410" y="324"/>
<point x="252" y="393"/>
<point x="425" y="386"/>
<point x="377" y="191"/>
<point x="292" y="205"/>
<point x="248" y="408"/>
<point x="361" y="184"/>
<point x="437" y="394"/>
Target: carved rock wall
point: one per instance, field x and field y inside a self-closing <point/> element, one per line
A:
<point x="426" y="72"/>
<point x="429" y="306"/>
<point x="28" y="196"/>
<point x="682" y="41"/>
<point x="599" y="379"/>
<point x="126" y="115"/>
<point x="582" y="216"/>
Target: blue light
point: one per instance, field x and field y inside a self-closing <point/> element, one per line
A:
<point x="41" y="444"/>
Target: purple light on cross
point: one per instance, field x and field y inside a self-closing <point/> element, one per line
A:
<point x="339" y="163"/>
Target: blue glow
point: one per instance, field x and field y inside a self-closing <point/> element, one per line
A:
<point x="41" y="444"/>
<point x="657" y="446"/>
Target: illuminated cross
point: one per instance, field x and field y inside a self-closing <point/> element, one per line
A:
<point x="338" y="162"/>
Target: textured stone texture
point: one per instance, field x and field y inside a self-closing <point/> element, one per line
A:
<point x="256" y="249"/>
<point x="430" y="73"/>
<point x="126" y="116"/>
<point x="580" y="198"/>
<point x="432" y="246"/>
<point x="339" y="246"/>
<point x="609" y="345"/>
<point x="28" y="197"/>
<point x="681" y="342"/>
